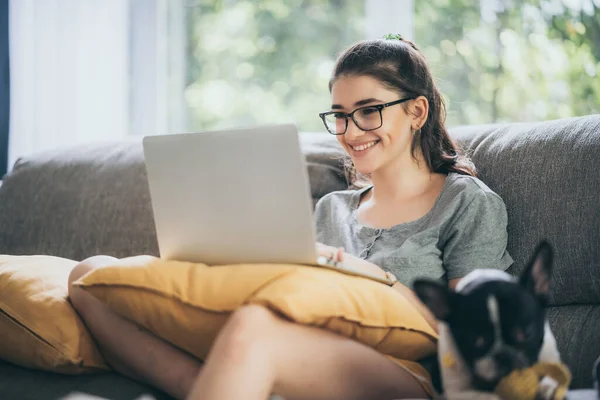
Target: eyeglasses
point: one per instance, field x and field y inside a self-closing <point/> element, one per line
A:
<point x="366" y="118"/>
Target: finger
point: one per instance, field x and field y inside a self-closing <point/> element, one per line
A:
<point x="339" y="257"/>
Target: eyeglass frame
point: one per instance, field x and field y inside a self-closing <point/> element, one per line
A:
<point x="378" y="107"/>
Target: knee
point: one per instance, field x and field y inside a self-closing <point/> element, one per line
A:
<point x="248" y="331"/>
<point x="76" y="295"/>
<point x="251" y="320"/>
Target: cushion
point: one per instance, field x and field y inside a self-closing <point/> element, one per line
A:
<point x="187" y="304"/>
<point x="547" y="174"/>
<point x="40" y="329"/>
<point x="94" y="198"/>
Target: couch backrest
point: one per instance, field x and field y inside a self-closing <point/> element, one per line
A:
<point x="94" y="199"/>
<point x="548" y="174"/>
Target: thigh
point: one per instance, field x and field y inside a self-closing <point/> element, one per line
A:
<point x="128" y="348"/>
<point x="312" y="363"/>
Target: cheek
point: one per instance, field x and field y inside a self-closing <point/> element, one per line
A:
<point x="399" y="140"/>
<point x="396" y="131"/>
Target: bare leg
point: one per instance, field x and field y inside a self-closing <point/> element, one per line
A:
<point x="128" y="348"/>
<point x="257" y="353"/>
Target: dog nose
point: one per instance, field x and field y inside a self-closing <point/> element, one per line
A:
<point x="504" y="362"/>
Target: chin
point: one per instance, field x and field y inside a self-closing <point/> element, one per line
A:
<point x="364" y="169"/>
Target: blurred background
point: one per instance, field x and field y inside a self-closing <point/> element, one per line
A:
<point x="89" y="70"/>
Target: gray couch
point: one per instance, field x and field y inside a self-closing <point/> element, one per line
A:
<point x="94" y="200"/>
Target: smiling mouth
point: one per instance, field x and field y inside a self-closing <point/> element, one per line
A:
<point x="365" y="146"/>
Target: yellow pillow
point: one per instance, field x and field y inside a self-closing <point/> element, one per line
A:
<point x="187" y="304"/>
<point x="39" y="327"/>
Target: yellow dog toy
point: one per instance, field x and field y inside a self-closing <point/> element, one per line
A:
<point x="525" y="384"/>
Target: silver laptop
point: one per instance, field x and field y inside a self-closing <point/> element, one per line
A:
<point x="233" y="196"/>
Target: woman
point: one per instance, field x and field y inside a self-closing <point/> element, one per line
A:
<point x="422" y="214"/>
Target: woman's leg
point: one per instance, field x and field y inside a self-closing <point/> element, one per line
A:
<point x="128" y="348"/>
<point x="257" y="353"/>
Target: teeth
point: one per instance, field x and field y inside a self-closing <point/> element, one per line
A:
<point x="364" y="146"/>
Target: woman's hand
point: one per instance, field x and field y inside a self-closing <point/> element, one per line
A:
<point x="338" y="255"/>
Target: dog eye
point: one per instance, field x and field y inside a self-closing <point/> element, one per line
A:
<point x="519" y="335"/>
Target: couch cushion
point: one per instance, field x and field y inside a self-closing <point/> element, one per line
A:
<point x="547" y="174"/>
<point x="94" y="199"/>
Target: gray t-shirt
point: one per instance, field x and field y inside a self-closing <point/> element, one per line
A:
<point x="464" y="230"/>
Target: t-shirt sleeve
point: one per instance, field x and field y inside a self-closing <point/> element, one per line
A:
<point x="477" y="237"/>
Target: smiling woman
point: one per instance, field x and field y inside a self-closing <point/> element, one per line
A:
<point x="424" y="214"/>
<point x="374" y="88"/>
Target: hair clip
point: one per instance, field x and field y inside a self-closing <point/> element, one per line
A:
<point x="393" y="36"/>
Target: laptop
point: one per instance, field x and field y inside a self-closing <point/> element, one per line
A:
<point x="234" y="196"/>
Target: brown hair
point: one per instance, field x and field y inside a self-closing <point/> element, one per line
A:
<point x="398" y="64"/>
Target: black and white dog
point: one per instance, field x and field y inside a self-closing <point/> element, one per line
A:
<point x="491" y="325"/>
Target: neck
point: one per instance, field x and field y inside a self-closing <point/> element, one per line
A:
<point x="403" y="179"/>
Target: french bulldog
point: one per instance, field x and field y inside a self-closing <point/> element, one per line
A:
<point x="492" y="324"/>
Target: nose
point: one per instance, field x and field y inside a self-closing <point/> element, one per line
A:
<point x="504" y="362"/>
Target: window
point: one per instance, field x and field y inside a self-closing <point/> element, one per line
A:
<point x="107" y="69"/>
<point x="255" y="62"/>
<point x="513" y="60"/>
<point x="269" y="61"/>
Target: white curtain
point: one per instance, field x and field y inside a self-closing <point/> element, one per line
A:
<point x="89" y="70"/>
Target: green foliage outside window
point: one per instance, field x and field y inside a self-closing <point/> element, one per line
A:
<point x="256" y="62"/>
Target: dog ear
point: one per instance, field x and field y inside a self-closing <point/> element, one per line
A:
<point x="436" y="296"/>
<point x="536" y="276"/>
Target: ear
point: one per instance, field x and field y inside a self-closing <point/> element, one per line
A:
<point x="536" y="276"/>
<point x="436" y="296"/>
<point x="419" y="110"/>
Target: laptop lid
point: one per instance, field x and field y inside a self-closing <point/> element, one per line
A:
<point x="231" y="196"/>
